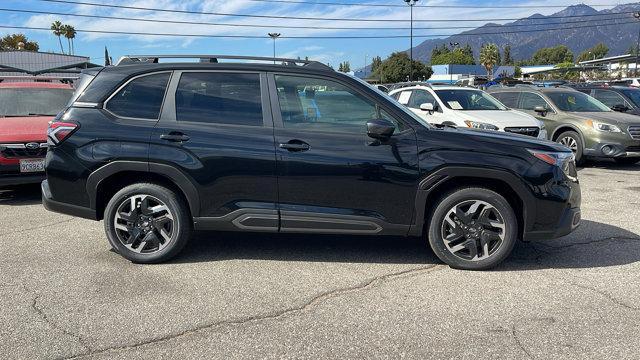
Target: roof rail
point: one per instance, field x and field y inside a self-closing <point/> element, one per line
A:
<point x="133" y="59"/>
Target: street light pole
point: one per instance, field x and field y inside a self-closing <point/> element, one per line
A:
<point x="274" y="36"/>
<point x="637" y="16"/>
<point x="411" y="3"/>
<point x="453" y="45"/>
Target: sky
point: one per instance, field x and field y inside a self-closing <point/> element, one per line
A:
<point x="332" y="51"/>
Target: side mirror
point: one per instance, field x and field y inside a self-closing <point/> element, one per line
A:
<point x="540" y="110"/>
<point x="427" y="107"/>
<point x="620" y="108"/>
<point x="380" y="129"/>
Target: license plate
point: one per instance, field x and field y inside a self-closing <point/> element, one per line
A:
<point x="31" y="165"/>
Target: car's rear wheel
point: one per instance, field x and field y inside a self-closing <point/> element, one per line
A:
<point x="627" y="161"/>
<point x="147" y="223"/>
<point x="572" y="140"/>
<point x="473" y="229"/>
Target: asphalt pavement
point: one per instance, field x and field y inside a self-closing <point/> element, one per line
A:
<point x="65" y="294"/>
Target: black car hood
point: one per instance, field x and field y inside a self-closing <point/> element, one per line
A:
<point x="503" y="138"/>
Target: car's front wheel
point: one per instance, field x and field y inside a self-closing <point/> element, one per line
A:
<point x="147" y="223"/>
<point x="473" y="229"/>
<point x="572" y="140"/>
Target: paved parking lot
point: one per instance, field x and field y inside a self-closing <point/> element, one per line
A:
<point x="64" y="294"/>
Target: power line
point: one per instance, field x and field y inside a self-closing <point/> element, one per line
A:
<point x="309" y="37"/>
<point x="289" y="26"/>
<point x="129" y="7"/>
<point x="299" y="2"/>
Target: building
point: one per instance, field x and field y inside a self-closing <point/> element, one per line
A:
<point x="22" y="65"/>
<point x="452" y="73"/>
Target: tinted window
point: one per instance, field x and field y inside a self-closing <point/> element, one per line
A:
<point x="634" y="95"/>
<point x="29" y="101"/>
<point x="324" y="105"/>
<point x="219" y="98"/>
<point x="510" y="99"/>
<point x="609" y="98"/>
<point x="140" y="98"/>
<point x="529" y="101"/>
<point x="420" y="97"/>
<point x="468" y="100"/>
<point x="575" y="101"/>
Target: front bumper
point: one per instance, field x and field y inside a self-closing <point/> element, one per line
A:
<point x="63" y="208"/>
<point x="613" y="150"/>
<point x="569" y="221"/>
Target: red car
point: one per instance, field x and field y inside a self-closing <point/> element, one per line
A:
<point x="25" y="111"/>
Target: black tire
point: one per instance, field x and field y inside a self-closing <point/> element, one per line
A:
<point x="152" y="251"/>
<point x="497" y="249"/>
<point x="566" y="139"/>
<point x="627" y="161"/>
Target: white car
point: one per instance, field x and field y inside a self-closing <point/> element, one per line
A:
<point x="466" y="107"/>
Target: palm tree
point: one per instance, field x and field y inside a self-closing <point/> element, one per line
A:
<point x="70" y="33"/>
<point x="56" y="27"/>
<point x="489" y="57"/>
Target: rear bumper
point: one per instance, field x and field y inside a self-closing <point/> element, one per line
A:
<point x="20" y="179"/>
<point x="63" y="208"/>
<point x="569" y="221"/>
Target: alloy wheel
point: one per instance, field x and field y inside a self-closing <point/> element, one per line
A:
<point x="473" y="230"/>
<point x="143" y="224"/>
<point x="569" y="142"/>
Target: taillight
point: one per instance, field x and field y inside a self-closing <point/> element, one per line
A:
<point x="58" y="131"/>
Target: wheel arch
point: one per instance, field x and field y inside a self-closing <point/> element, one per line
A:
<point x="446" y="179"/>
<point x="566" y="127"/>
<point x="107" y="180"/>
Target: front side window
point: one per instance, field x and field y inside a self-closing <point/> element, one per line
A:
<point x="219" y="98"/>
<point x="530" y="101"/>
<point x="468" y="100"/>
<point x="609" y="98"/>
<point x="421" y="97"/>
<point x="575" y="101"/>
<point x="141" y="98"/>
<point x="509" y="99"/>
<point x="33" y="101"/>
<point x="324" y="105"/>
<point x="634" y="95"/>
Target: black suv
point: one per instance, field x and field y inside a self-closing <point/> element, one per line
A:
<point x="619" y="98"/>
<point x="160" y="149"/>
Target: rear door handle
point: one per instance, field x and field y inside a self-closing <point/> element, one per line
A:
<point x="175" y="137"/>
<point x="295" y="145"/>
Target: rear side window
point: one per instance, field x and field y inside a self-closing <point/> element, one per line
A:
<point x="420" y="97"/>
<point x="530" y="101"/>
<point x="509" y="99"/>
<point x="219" y="98"/>
<point x="609" y="98"/>
<point x="141" y="98"/>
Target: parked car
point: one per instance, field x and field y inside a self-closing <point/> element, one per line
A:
<point x="466" y="107"/>
<point x="619" y="98"/>
<point x="157" y="150"/>
<point x="585" y="125"/>
<point x="635" y="82"/>
<point x="25" y="111"/>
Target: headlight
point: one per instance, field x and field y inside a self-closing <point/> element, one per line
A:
<point x="564" y="160"/>
<point x="605" y="127"/>
<point x="480" y="125"/>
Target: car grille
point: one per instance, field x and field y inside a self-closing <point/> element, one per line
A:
<point x="634" y="131"/>
<point x="22" y="150"/>
<point x="530" y="131"/>
<point x="633" y="149"/>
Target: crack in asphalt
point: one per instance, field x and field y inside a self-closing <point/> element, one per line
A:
<point x="606" y="295"/>
<point x="365" y="285"/>
<point x="514" y="334"/>
<point x="40" y="310"/>
<point x="37" y="227"/>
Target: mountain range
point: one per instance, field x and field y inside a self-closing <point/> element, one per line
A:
<point x="619" y="35"/>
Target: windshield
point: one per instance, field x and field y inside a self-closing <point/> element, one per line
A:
<point x="467" y="99"/>
<point x="575" y="101"/>
<point x="33" y="101"/>
<point x="634" y="95"/>
<point x="394" y="102"/>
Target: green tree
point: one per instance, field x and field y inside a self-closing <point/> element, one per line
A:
<point x="56" y="27"/>
<point x="568" y="75"/>
<point x="69" y="32"/>
<point x="517" y="72"/>
<point x="457" y="56"/>
<point x="552" y="55"/>
<point x="346" y="67"/>
<point x="10" y="42"/>
<point x="633" y="49"/>
<point x="597" y="52"/>
<point x="375" y="63"/>
<point x="396" y="69"/>
<point x="489" y="57"/>
<point x="467" y="50"/>
<point x="439" y="50"/>
<point x="506" y="56"/>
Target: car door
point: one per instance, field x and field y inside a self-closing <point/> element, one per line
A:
<point x="421" y="96"/>
<point x="332" y="177"/>
<point x="610" y="98"/>
<point x="216" y="128"/>
<point x="528" y="101"/>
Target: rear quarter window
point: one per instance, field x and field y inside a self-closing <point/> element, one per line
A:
<point x="141" y="98"/>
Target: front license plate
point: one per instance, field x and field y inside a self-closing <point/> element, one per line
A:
<point x="31" y="165"/>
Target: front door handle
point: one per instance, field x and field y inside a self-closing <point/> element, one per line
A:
<point x="175" y="137"/>
<point x="295" y="145"/>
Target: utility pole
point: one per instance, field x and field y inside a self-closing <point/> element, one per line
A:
<point x="274" y="36"/>
<point x="637" y="16"/>
<point x="453" y="45"/>
<point x="411" y="3"/>
<point x="365" y="65"/>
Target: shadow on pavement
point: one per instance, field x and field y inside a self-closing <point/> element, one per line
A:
<point x="21" y="195"/>
<point x="608" y="164"/>
<point x="592" y="245"/>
